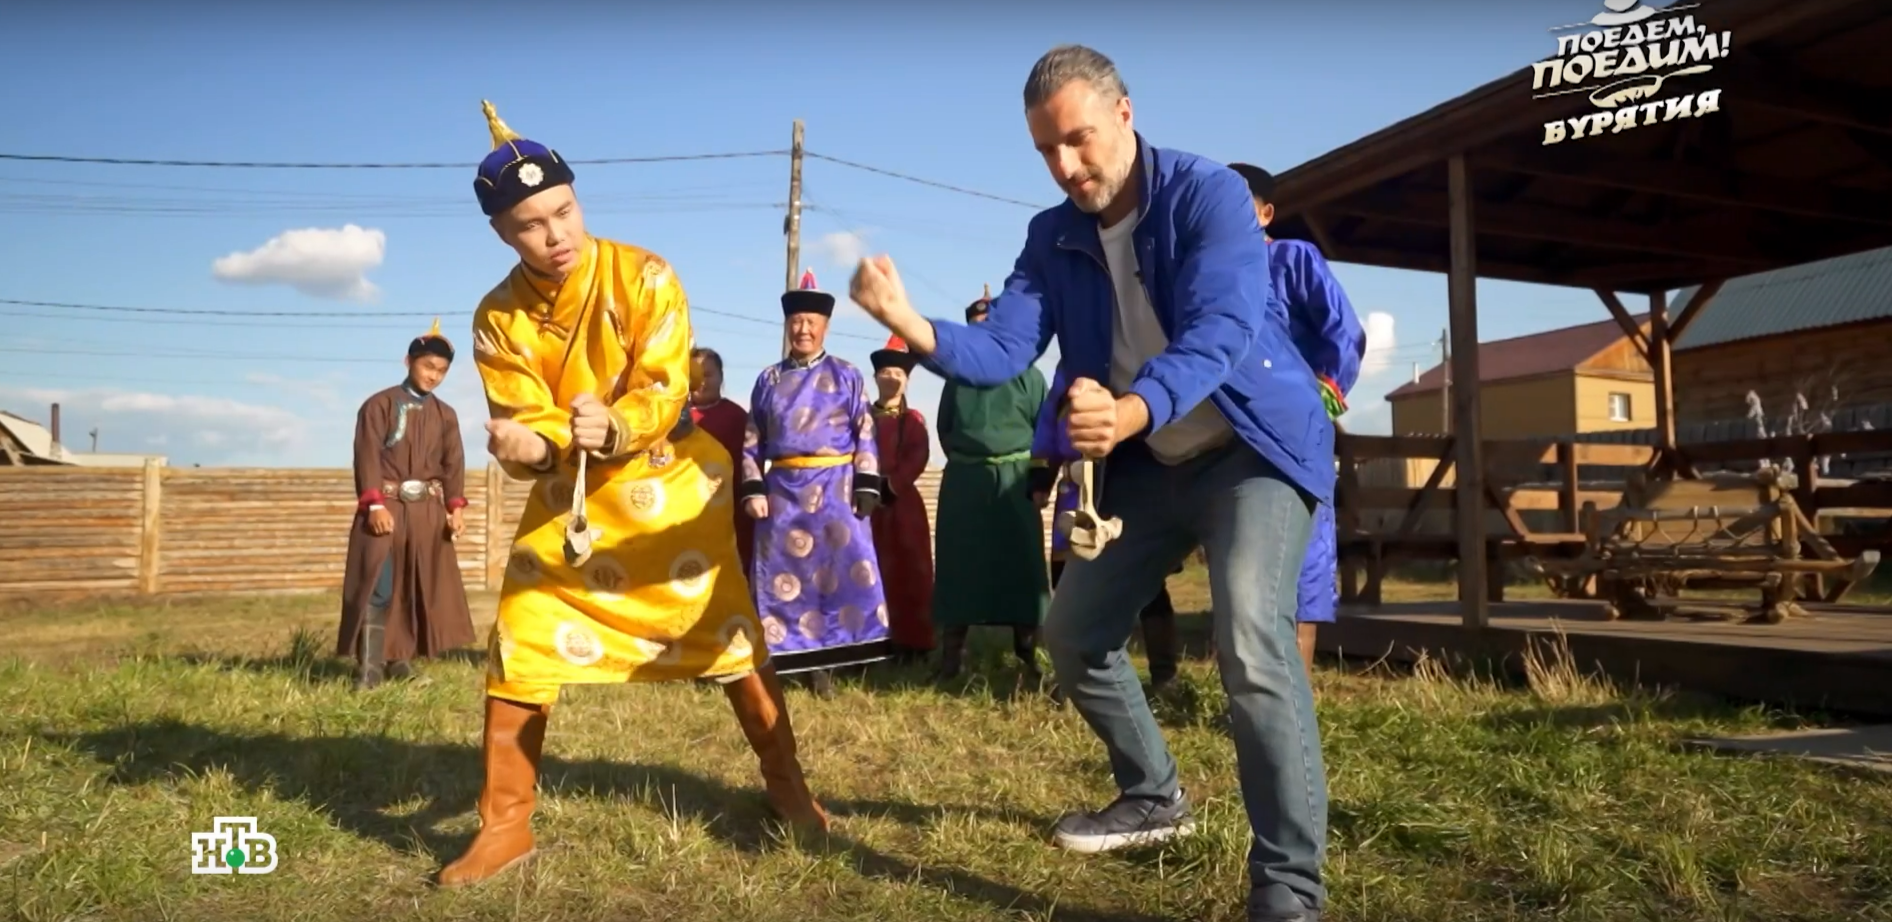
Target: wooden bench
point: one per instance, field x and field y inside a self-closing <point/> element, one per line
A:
<point x="1725" y="531"/>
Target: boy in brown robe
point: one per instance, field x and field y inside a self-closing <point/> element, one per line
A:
<point x="402" y="596"/>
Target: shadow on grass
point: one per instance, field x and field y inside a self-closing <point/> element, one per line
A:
<point x="358" y="779"/>
<point x="316" y="666"/>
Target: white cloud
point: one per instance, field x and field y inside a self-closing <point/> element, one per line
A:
<point x="1380" y="343"/>
<point x="843" y="249"/>
<point x="1368" y="413"/>
<point x="320" y="262"/>
<point x="190" y="429"/>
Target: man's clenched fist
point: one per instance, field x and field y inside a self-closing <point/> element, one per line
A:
<point x="591" y="423"/>
<point x="1091" y="418"/>
<point x="513" y="443"/>
<point x="877" y="288"/>
<point x="756" y="506"/>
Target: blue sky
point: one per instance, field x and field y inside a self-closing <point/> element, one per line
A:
<point x="931" y="91"/>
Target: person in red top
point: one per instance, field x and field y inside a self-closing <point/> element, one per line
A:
<point x="725" y="422"/>
<point x="903" y="539"/>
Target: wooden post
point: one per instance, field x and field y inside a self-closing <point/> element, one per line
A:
<point x="1347" y="514"/>
<point x="1659" y="342"/>
<point x="1569" y="498"/>
<point x="150" y="528"/>
<point x="792" y="227"/>
<point x="496" y="544"/>
<point x="1462" y="290"/>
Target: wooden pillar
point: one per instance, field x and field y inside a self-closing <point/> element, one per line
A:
<point x="1346" y="515"/>
<point x="1462" y="289"/>
<point x="1659" y="342"/>
<point x="495" y="554"/>
<point x="1569" y="494"/>
<point x="151" y="528"/>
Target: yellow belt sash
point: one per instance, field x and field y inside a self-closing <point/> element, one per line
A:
<point x="802" y="462"/>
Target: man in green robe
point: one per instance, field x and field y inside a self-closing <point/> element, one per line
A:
<point x="989" y="537"/>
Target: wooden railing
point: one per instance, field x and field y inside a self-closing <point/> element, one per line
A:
<point x="1535" y="489"/>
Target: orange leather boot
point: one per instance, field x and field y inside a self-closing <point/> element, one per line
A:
<point x="762" y="710"/>
<point x="515" y="738"/>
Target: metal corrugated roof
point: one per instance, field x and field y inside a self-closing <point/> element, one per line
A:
<point x="1831" y="292"/>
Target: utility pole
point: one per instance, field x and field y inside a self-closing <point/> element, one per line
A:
<point x="791" y="226"/>
<point x="1445" y="382"/>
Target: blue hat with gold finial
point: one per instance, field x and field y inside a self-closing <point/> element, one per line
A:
<point x="517" y="169"/>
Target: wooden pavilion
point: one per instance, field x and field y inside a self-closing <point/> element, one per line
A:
<point x="1795" y="167"/>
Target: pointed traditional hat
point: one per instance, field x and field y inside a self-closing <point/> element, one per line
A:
<point x="980" y="307"/>
<point x="807" y="299"/>
<point x="894" y="355"/>
<point x="431" y="343"/>
<point x="517" y="169"/>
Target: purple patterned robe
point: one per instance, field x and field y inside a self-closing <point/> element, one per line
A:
<point x="817" y="580"/>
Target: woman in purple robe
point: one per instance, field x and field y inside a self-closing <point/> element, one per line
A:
<point x="811" y="478"/>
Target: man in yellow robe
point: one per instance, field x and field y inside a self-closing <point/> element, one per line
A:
<point x="584" y="350"/>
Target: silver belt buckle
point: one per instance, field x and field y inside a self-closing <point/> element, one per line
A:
<point x="413" y="490"/>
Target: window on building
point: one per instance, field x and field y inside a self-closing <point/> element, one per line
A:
<point x="1619" y="408"/>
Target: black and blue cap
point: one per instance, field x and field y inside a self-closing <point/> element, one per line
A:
<point x="807" y="298"/>
<point x="517" y="169"/>
<point x="1260" y="182"/>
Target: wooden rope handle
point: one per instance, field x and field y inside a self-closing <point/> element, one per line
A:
<point x="578" y="531"/>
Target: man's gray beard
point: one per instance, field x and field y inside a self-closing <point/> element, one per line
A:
<point x="1109" y="196"/>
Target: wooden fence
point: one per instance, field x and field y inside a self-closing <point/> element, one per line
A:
<point x="1534" y="489"/>
<point x="160" y="530"/>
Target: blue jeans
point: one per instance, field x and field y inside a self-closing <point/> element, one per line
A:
<point x="1254" y="525"/>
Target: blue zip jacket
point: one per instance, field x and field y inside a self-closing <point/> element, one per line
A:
<point x="1204" y="263"/>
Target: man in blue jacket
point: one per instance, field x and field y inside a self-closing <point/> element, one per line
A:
<point x="1153" y="277"/>
<point x="1327" y="332"/>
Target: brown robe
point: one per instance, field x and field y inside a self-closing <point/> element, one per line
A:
<point x="428" y="613"/>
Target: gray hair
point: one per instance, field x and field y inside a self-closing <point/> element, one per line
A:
<point x="1067" y="63"/>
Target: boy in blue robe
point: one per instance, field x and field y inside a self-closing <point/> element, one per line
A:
<point x="1328" y="334"/>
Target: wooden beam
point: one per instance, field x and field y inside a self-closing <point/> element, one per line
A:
<point x="1659" y="363"/>
<point x="1697" y="183"/>
<point x="1322" y="238"/>
<point x="1769" y="83"/>
<point x="1462" y="293"/>
<point x="1642" y="277"/>
<point x="1419" y="259"/>
<point x="1558" y="225"/>
<point x="1696" y="304"/>
<point x="1631" y="328"/>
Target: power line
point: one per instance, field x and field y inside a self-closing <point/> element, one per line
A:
<point x="346" y="315"/>
<point x="677" y="158"/>
<point x="924" y="182"/>
<point x="282" y="165"/>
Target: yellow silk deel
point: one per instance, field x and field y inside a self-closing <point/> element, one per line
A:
<point x="663" y="596"/>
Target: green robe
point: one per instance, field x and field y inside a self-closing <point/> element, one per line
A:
<point x="989" y="540"/>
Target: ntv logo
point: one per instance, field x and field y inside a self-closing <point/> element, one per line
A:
<point x="1630" y="51"/>
<point x="234" y="845"/>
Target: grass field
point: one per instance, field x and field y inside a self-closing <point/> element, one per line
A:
<point x="123" y="728"/>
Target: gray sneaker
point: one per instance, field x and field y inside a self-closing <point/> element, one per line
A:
<point x="1259" y="911"/>
<point x="1128" y="822"/>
